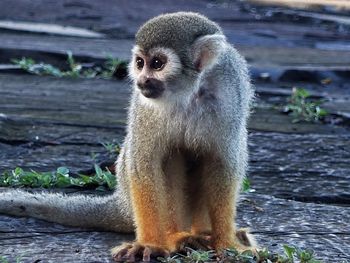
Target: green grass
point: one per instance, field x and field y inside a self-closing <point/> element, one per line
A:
<point x="291" y="255"/>
<point x="102" y="180"/>
<point x="302" y="108"/>
<point x="61" y="178"/>
<point x="112" y="148"/>
<point x="110" y="68"/>
<point x="6" y="260"/>
<point x="246" y="187"/>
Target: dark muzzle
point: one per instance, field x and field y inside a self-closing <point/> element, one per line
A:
<point x="151" y="87"/>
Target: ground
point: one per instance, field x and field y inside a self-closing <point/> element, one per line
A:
<point x="299" y="171"/>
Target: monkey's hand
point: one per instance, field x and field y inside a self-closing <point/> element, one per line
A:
<point x="136" y="252"/>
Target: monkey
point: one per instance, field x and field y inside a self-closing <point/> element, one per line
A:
<point x="185" y="154"/>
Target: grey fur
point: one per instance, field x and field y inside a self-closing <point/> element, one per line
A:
<point x="105" y="213"/>
<point x="177" y="31"/>
<point x="210" y="120"/>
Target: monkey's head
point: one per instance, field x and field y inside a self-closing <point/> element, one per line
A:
<point x="171" y="52"/>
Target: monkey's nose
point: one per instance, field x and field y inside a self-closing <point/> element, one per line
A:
<point x="151" y="87"/>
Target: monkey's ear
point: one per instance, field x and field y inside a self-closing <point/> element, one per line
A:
<point x="206" y="50"/>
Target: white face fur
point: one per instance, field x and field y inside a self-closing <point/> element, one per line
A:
<point x="161" y="64"/>
<point x="157" y="73"/>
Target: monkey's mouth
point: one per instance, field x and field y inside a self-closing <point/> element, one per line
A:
<point x="151" y="88"/>
<point x="152" y="93"/>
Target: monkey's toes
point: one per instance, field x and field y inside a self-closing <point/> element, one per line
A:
<point x="136" y="252"/>
<point x="246" y="239"/>
<point x="196" y="242"/>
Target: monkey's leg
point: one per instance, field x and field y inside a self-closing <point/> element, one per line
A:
<point x="200" y="224"/>
<point x="179" y="216"/>
<point x="175" y="171"/>
<point x="147" y="193"/>
<point x="222" y="188"/>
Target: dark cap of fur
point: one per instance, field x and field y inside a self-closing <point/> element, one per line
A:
<point x="175" y="30"/>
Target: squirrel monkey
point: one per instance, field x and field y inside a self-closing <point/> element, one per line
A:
<point x="184" y="157"/>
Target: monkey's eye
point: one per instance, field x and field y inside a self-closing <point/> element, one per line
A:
<point x="157" y="63"/>
<point x="139" y="63"/>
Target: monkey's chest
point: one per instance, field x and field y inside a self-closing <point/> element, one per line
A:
<point x="193" y="130"/>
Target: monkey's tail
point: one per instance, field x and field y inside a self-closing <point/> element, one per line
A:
<point x="105" y="213"/>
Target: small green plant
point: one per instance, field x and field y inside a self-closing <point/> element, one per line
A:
<point x="31" y="66"/>
<point x="76" y="70"/>
<point x="60" y="178"/>
<point x="245" y="185"/>
<point x="111" y="65"/>
<point x="291" y="255"/>
<point x="6" y="260"/>
<point x="112" y="148"/>
<point x="192" y="256"/>
<point x="302" y="108"/>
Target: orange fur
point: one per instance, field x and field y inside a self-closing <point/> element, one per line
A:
<point x="148" y="213"/>
<point x="173" y="239"/>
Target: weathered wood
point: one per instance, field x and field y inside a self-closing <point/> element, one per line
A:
<point x="45" y="129"/>
<point x="274" y="221"/>
<point x="48" y="158"/>
<point x="287" y="166"/>
<point x="308" y="167"/>
<point x="49" y="29"/>
<point x="95" y="103"/>
<point x="44" y="101"/>
<point x="305" y="3"/>
<point x="53" y="49"/>
<point x="40" y="47"/>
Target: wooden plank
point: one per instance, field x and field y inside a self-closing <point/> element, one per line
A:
<point x="19" y="131"/>
<point x="92" y="103"/>
<point x="307" y="167"/>
<point x="48" y="122"/>
<point x="274" y="221"/>
<point x="44" y="101"/>
<point x="49" y="29"/>
<point x="294" y="57"/>
<point x="49" y="158"/>
<point x="53" y="49"/>
<point x="40" y="47"/>
<point x="305" y="3"/>
<point x="290" y="166"/>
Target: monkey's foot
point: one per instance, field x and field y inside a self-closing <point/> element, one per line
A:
<point x="241" y="241"/>
<point x="136" y="252"/>
<point x="202" y="242"/>
<point x="246" y="239"/>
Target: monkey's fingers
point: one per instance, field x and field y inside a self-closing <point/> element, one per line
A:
<point x="155" y="252"/>
<point x="134" y="252"/>
<point x="119" y="252"/>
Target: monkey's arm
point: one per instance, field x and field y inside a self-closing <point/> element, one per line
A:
<point x="148" y="195"/>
